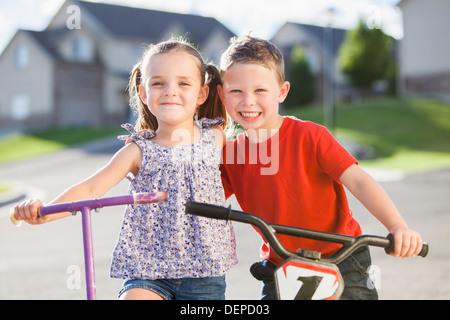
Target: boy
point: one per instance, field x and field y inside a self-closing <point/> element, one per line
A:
<point x="293" y="172"/>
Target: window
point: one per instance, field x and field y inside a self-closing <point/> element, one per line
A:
<point x="83" y="50"/>
<point x="20" y="107"/>
<point x="21" y="57"/>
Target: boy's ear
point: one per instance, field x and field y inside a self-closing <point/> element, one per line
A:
<point x="284" y="90"/>
<point x="220" y="92"/>
<point x="142" y="94"/>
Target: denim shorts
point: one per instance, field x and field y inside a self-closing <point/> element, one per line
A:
<point x="212" y="288"/>
<point x="357" y="284"/>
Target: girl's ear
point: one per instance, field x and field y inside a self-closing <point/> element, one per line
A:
<point x="284" y="90"/>
<point x="142" y="94"/>
<point x="203" y="95"/>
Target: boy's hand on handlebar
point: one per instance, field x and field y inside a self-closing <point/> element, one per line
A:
<point x="28" y="211"/>
<point x="408" y="243"/>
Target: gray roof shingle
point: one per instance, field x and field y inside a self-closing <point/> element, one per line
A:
<point x="132" y="22"/>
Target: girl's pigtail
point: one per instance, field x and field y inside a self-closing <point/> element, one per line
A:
<point x="145" y="120"/>
<point x="213" y="106"/>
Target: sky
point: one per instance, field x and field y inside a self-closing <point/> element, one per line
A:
<point x="261" y="17"/>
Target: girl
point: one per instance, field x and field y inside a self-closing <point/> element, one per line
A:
<point x="161" y="252"/>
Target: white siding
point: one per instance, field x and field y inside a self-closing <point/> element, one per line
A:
<point x="425" y="48"/>
<point x="34" y="81"/>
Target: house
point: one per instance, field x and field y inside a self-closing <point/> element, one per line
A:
<point x="424" y="64"/>
<point x="321" y="45"/>
<point x="75" y="72"/>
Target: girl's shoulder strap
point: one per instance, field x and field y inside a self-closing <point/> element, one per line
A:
<point x="135" y="136"/>
<point x="205" y="123"/>
<point x="207" y="128"/>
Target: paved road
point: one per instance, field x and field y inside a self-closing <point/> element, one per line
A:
<point x="46" y="262"/>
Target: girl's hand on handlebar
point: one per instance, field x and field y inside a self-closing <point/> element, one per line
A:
<point x="28" y="211"/>
<point x="408" y="243"/>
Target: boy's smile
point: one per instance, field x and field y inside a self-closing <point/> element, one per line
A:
<point x="250" y="116"/>
<point x="251" y="94"/>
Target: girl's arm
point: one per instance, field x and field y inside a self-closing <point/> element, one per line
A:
<point x="407" y="241"/>
<point x="127" y="159"/>
<point x="219" y="135"/>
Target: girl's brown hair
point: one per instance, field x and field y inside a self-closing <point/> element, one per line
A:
<point x="210" y="76"/>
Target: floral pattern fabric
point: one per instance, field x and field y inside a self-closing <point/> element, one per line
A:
<point x="160" y="240"/>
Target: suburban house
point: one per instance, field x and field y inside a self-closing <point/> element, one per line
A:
<point x="424" y="64"/>
<point x="321" y="45"/>
<point x="75" y="72"/>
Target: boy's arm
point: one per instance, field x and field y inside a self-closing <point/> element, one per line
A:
<point x="125" y="160"/>
<point x="407" y="242"/>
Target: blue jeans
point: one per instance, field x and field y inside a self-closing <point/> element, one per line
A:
<point x="357" y="285"/>
<point x="212" y="288"/>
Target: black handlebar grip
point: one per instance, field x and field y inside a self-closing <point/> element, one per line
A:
<point x="208" y="210"/>
<point x="423" y="253"/>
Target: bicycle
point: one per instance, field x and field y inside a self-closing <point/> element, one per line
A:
<point x="304" y="275"/>
<point x="85" y="207"/>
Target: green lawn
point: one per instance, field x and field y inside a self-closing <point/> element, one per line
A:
<point x="411" y="135"/>
<point x="21" y="146"/>
<point x="4" y="187"/>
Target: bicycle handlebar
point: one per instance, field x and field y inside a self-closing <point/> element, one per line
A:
<point x="135" y="198"/>
<point x="269" y="231"/>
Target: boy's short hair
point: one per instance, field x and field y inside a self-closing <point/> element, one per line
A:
<point x="248" y="49"/>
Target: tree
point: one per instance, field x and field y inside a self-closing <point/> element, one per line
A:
<point x="301" y="78"/>
<point x="366" y="56"/>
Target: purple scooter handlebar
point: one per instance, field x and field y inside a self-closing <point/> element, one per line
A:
<point x="136" y="198"/>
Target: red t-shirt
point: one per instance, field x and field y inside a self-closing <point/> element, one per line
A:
<point x="292" y="179"/>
